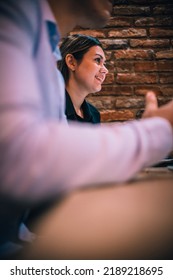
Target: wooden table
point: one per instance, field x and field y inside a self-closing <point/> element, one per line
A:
<point x="132" y="220"/>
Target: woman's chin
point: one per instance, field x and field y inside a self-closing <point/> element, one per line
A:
<point x="97" y="89"/>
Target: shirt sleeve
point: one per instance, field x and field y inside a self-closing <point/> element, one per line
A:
<point x="42" y="157"/>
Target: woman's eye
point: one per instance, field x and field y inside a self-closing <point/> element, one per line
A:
<point x="98" y="60"/>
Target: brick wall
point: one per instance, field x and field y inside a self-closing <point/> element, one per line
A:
<point x="138" y="42"/>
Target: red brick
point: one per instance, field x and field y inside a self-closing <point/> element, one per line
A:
<point x="161" y="32"/>
<point x="94" y="33"/>
<point x="114" y="44"/>
<point x="131" y="10"/>
<point x="108" y="55"/>
<point x="103" y="102"/>
<point x="167" y="54"/>
<point x="130" y="102"/>
<point x="124" y="66"/>
<point x="166" y="78"/>
<point x="148" y="43"/>
<point x="142" y="90"/>
<point x="134" y="54"/>
<point x="163" y="9"/>
<point x="127" y="33"/>
<point x="116" y="115"/>
<point x="116" y="90"/>
<point x="145" y="66"/>
<point x="119" y="21"/>
<point x="150" y="66"/>
<point x="163" y="100"/>
<point x="134" y="78"/>
<point x="154" y="21"/>
<point x="168" y="90"/>
<point x="164" y="65"/>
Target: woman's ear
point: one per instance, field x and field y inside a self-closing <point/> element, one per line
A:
<point x="70" y="61"/>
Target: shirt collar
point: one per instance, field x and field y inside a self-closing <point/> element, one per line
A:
<point x="69" y="105"/>
<point x="53" y="32"/>
<point x="71" y="111"/>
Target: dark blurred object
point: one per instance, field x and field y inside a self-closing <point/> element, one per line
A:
<point x="139" y="114"/>
<point x="164" y="163"/>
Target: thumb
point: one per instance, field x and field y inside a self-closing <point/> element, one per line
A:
<point x="151" y="104"/>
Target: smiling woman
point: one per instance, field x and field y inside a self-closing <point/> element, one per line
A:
<point x="84" y="71"/>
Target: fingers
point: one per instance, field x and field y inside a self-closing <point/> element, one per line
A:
<point x="151" y="104"/>
<point x="151" y="101"/>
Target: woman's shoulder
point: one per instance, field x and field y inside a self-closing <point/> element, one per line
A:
<point x="94" y="112"/>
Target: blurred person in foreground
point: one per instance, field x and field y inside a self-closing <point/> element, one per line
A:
<point x="42" y="157"/>
<point x="84" y="70"/>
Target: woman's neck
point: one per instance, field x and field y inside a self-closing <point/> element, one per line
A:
<point x="77" y="98"/>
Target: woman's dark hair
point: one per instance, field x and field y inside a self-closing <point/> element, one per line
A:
<point x="77" y="45"/>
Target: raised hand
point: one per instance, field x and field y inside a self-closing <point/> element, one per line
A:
<point x="152" y="109"/>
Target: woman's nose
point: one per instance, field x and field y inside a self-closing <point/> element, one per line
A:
<point x="104" y="69"/>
